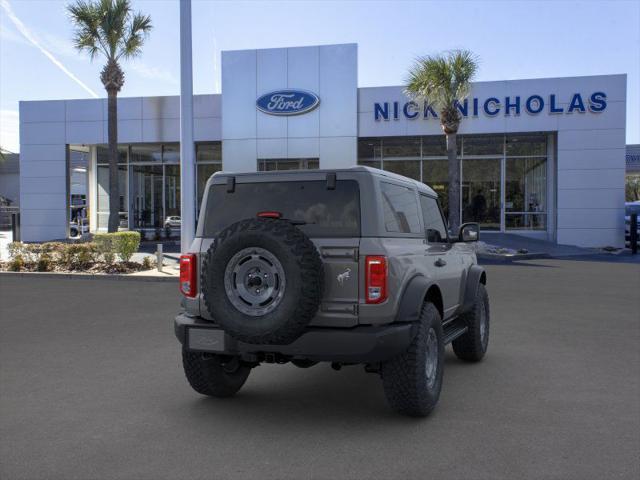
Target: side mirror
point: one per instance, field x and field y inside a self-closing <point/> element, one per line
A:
<point x="469" y="232"/>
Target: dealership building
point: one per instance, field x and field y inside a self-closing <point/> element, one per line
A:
<point x="543" y="158"/>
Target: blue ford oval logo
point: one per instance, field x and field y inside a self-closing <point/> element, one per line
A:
<point x="287" y="102"/>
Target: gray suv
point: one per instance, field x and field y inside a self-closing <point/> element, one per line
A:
<point x="350" y="266"/>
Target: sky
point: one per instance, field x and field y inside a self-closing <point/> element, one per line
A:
<point x="513" y="40"/>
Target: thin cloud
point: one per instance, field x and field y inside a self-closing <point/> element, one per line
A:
<point x="9" y="137"/>
<point x="153" y="73"/>
<point x="24" y="30"/>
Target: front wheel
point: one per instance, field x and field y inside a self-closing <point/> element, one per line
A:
<point x="412" y="381"/>
<point x="214" y="375"/>
<point x="472" y="346"/>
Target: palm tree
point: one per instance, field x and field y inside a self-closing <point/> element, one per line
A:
<point x="110" y="28"/>
<point x="443" y="81"/>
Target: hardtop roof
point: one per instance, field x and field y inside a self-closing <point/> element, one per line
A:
<point x="358" y="168"/>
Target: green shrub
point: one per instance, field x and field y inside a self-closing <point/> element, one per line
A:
<point x="126" y="244"/>
<point x="44" y="263"/>
<point x="16" y="249"/>
<point x="78" y="256"/>
<point x="105" y="246"/>
<point x="16" y="263"/>
<point x="147" y="263"/>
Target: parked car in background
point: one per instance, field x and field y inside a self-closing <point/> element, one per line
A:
<point x="173" y="222"/>
<point x="630" y="208"/>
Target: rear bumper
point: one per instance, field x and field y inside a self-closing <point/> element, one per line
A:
<point x="362" y="344"/>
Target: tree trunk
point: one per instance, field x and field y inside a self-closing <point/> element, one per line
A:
<point x="454" y="184"/>
<point x="114" y="191"/>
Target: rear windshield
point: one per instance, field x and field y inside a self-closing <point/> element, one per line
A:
<point x="321" y="212"/>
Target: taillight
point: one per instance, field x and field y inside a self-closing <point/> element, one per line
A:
<point x="269" y="214"/>
<point x="188" y="275"/>
<point x="375" y="280"/>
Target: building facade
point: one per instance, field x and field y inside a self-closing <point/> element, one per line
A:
<point x="541" y="157"/>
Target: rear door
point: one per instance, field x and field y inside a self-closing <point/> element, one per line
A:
<point x="328" y="214"/>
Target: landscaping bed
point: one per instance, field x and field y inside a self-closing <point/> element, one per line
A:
<point x="108" y="253"/>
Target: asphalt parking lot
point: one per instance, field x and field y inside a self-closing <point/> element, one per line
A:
<point x="91" y="387"/>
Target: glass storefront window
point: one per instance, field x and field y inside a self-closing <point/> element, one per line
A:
<point x="150" y="152"/>
<point x="482" y="145"/>
<point x="481" y="192"/>
<point x="172" y="190"/>
<point x="370" y="152"/>
<point x="401" y="148"/>
<point x="102" y="174"/>
<point x="521" y="156"/>
<point x="209" y="152"/>
<point x="435" y="173"/>
<point x="526" y="221"/>
<point x="146" y="193"/>
<point x="526" y="145"/>
<point x="171" y="153"/>
<point x="204" y="171"/>
<point x="408" y="168"/>
<point x="102" y="154"/>
<point x="435" y="146"/>
<point x="288" y="164"/>
<point x="526" y="185"/>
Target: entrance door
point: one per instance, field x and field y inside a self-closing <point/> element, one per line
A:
<point x="482" y="192"/>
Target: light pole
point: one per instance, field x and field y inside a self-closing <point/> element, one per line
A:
<point x="187" y="147"/>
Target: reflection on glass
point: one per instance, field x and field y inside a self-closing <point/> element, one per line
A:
<point x="369" y="152"/>
<point x="205" y="170"/>
<point x="435" y="173"/>
<point x="102" y="154"/>
<point x="146" y="152"/>
<point x="103" y="195"/>
<point x="526" y="144"/>
<point x="526" y="185"/>
<point x="483" y="145"/>
<point x="209" y="152"/>
<point x="408" y="168"/>
<point x="171" y="153"/>
<point x="288" y="164"/>
<point x="400" y="147"/>
<point x="481" y="192"/>
<point x="146" y="192"/>
<point x="525" y="221"/>
<point x="172" y="190"/>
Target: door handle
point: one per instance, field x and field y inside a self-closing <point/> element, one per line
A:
<point x="439" y="263"/>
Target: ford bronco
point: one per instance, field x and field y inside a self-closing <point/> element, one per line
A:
<point x="348" y="266"/>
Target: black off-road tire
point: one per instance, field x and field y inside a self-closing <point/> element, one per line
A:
<point x="404" y="377"/>
<point x="214" y="375"/>
<point x="472" y="346"/>
<point x="302" y="270"/>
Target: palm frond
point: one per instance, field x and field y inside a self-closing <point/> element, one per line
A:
<point x="108" y="27"/>
<point x="442" y="80"/>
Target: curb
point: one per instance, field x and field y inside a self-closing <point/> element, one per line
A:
<point x="517" y="257"/>
<point x="90" y="276"/>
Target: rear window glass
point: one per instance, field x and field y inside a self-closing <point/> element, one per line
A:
<point x="400" y="208"/>
<point x="326" y="213"/>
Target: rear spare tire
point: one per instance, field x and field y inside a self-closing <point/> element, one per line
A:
<point x="262" y="281"/>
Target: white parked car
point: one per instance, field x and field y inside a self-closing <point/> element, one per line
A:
<point x="173" y="222"/>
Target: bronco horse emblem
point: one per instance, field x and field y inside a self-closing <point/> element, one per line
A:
<point x="344" y="276"/>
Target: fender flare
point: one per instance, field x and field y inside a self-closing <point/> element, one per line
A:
<point x="410" y="304"/>
<point x="475" y="276"/>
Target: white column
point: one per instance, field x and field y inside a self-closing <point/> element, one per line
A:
<point x="187" y="147"/>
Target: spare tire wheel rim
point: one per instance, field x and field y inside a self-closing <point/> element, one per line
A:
<point x="254" y="281"/>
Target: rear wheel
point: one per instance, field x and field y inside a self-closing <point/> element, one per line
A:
<point x="214" y="375"/>
<point x="472" y="346"/>
<point x="412" y="381"/>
